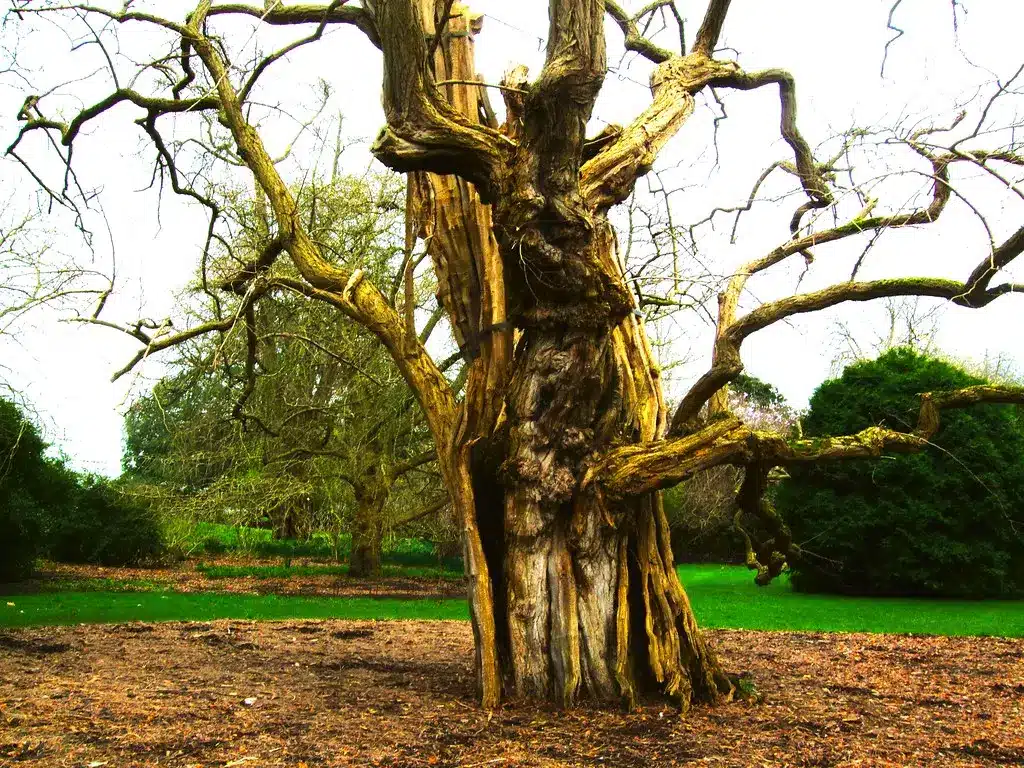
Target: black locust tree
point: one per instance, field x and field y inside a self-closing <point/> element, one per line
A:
<point x="555" y="455"/>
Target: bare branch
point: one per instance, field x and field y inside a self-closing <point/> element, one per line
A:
<point x="811" y="179"/>
<point x="330" y="353"/>
<point x="898" y="33"/>
<point x="68" y="131"/>
<point x="403" y="467"/>
<point x="711" y="28"/>
<point x="633" y="40"/>
<point x="337" y="12"/>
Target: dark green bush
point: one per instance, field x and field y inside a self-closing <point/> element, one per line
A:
<point x="31" y="487"/>
<point x="214" y="546"/>
<point x="20" y="542"/>
<point x="947" y="522"/>
<point x="105" y="527"/>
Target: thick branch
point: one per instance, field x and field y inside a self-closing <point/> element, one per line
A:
<point x="285" y="15"/>
<point x="424" y="132"/>
<point x="575" y="64"/>
<point x="634" y="41"/>
<point x="68" y="131"/>
<point x="711" y="28"/>
<point x="814" y="184"/>
<point x="609" y="177"/>
<point x="1002" y="255"/>
<point x="161" y="341"/>
<point x="403" y="467"/>
<point x="430" y="509"/>
<point x="933" y="403"/>
<point x="638" y="469"/>
<point x="238" y="282"/>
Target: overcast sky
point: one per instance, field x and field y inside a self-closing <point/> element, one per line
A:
<point x="833" y="48"/>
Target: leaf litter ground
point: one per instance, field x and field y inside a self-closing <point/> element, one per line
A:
<point x="185" y="578"/>
<point x="342" y="693"/>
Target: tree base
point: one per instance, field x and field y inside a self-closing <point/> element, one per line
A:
<point x="595" y="612"/>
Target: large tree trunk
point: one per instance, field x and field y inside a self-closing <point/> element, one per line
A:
<point x="367" y="543"/>
<point x="593" y="606"/>
<point x="573" y="596"/>
<point x="282" y="521"/>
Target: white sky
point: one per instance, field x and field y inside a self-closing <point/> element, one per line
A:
<point x="832" y="47"/>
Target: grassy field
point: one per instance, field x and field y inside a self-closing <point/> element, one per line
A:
<point x="116" y="607"/>
<point x="726" y="597"/>
<point x="722" y="596"/>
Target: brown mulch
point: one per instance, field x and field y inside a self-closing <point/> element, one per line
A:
<point x="185" y="578"/>
<point x="341" y="693"/>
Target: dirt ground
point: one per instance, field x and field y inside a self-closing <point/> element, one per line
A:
<point x="341" y="693"/>
<point x="185" y="578"/>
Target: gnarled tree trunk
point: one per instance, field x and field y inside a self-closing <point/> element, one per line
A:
<point x="573" y="595"/>
<point x="593" y="607"/>
<point x="555" y="454"/>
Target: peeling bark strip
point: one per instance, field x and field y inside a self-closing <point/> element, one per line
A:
<point x="554" y="459"/>
<point x="447" y="214"/>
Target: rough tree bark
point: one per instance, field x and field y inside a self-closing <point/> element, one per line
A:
<point x="582" y="590"/>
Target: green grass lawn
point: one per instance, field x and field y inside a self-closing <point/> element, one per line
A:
<point x="722" y="596"/>
<point x="725" y="597"/>
<point x="115" y="607"/>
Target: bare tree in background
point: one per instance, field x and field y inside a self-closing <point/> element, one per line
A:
<point x="909" y="322"/>
<point x="34" y="272"/>
<point x="554" y="457"/>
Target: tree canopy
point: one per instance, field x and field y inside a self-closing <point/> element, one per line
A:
<point x="302" y="423"/>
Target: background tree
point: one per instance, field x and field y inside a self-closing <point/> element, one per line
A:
<point x="554" y="457"/>
<point x="301" y="421"/>
<point x="33" y="271"/>
<point x="945" y="521"/>
<point x="46" y="509"/>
